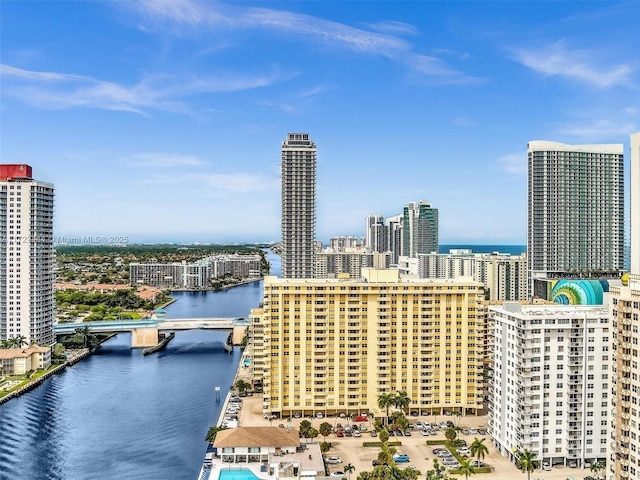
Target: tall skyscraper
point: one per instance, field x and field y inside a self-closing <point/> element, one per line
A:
<point x="624" y="308"/>
<point x="419" y="229"/>
<point x="393" y="237"/>
<point x="26" y="256"/>
<point x="374" y="235"/>
<point x="635" y="203"/>
<point x="298" y="205"/>
<point x="575" y="210"/>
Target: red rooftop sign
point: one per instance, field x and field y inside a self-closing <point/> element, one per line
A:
<point x="15" y="170"/>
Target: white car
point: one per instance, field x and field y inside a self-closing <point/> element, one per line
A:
<point x="334" y="460"/>
<point x="546" y="466"/>
<point x="337" y="474"/>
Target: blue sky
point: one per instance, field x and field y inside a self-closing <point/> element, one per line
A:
<point x="163" y="120"/>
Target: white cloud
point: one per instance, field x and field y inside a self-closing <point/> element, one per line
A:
<point x="393" y="27"/>
<point x="600" y="129"/>
<point x="577" y="64"/>
<point x="61" y="90"/>
<point x="307" y="27"/>
<point x="461" y="121"/>
<point x="514" y="163"/>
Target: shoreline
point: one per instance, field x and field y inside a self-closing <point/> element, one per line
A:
<point x="217" y="289"/>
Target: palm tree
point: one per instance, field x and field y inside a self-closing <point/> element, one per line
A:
<point x="313" y="433"/>
<point x="478" y="448"/>
<point x="527" y="462"/>
<point x="349" y="469"/>
<point x="385" y="401"/>
<point x="325" y="429"/>
<point x="401" y="400"/>
<point x="439" y="472"/>
<point x="458" y="415"/>
<point x="450" y="434"/>
<point x="466" y="469"/>
<point x="595" y="468"/>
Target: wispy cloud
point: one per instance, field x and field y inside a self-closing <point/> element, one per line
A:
<point x="514" y="163"/>
<point x="577" y="64"/>
<point x="461" y="122"/>
<point x="381" y="40"/>
<point x="393" y="27"/>
<point x="162" y="160"/>
<point x="600" y="129"/>
<point x="56" y="90"/>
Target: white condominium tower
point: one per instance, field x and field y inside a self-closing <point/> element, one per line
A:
<point x="575" y="210"/>
<point x="374" y="235"/>
<point x="27" y="256"/>
<point x="551" y="381"/>
<point x="298" y="205"/>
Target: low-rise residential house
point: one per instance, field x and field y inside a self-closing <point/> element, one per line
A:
<point x="18" y="361"/>
<point x="255" y="444"/>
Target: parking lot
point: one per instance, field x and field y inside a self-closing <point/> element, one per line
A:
<point x="421" y="456"/>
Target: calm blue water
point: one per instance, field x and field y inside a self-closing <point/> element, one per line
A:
<point x="120" y="415"/>
<point x="512" y="249"/>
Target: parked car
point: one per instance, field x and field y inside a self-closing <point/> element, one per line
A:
<point x="362" y="427"/>
<point x="407" y="433"/>
<point x="419" y="425"/>
<point x="339" y="433"/>
<point x="337" y="474"/>
<point x="482" y="431"/>
<point x="443" y="425"/>
<point x="356" y="433"/>
<point x="319" y="415"/>
<point x="376" y="463"/>
<point x="333" y="460"/>
<point x="424" y="433"/>
<point x="297" y="415"/>
<point x="572" y="463"/>
<point x="374" y="433"/>
<point x="361" y="418"/>
<point x="399" y="433"/>
<point x="473" y="431"/>
<point x="477" y="463"/>
<point x="546" y="466"/>
<point x="401" y="458"/>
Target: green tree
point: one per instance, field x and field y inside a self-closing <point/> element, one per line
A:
<point x="383" y="436"/>
<point x="478" y="448"/>
<point x="439" y="472"/>
<point x="242" y="386"/>
<point x="313" y="433"/>
<point x="386" y="401"/>
<point x="527" y="462"/>
<point x="458" y="415"/>
<point x="401" y="400"/>
<point x="450" y="434"/>
<point x="349" y="469"/>
<point x="325" y="447"/>
<point x="325" y="429"/>
<point x="466" y="469"/>
<point x="305" y="426"/>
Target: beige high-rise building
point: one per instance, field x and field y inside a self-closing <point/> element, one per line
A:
<point x="332" y="345"/>
<point x="624" y="442"/>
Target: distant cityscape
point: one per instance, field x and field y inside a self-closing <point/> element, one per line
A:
<point x="543" y="340"/>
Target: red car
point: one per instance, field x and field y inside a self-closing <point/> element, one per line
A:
<point x="361" y="418"/>
<point x="339" y="433"/>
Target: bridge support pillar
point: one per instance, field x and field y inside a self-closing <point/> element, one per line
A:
<point x="144" y="337"/>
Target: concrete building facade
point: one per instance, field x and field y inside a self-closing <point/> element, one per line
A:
<point x="335" y="346"/>
<point x="551" y="377"/>
<point x="27" y="275"/>
<point x="575" y="223"/>
<point x="504" y="276"/>
<point x="298" y="205"/>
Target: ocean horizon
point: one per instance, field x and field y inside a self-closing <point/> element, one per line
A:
<point x="510" y="249"/>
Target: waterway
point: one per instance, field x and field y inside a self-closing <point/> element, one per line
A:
<point x="121" y="415"/>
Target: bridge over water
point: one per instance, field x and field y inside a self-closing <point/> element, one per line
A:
<point x="145" y="332"/>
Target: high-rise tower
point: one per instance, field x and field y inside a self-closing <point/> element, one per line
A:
<point x="419" y="229"/>
<point x="635" y="203"/>
<point x="298" y="205"/>
<point x="575" y="210"/>
<point x="26" y="256"/>
<point x="374" y="235"/>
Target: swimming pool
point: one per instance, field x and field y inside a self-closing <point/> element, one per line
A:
<point x="237" y="474"/>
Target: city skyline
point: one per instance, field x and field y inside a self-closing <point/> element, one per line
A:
<point x="135" y="111"/>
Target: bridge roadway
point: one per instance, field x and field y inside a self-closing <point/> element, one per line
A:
<point x="159" y="324"/>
